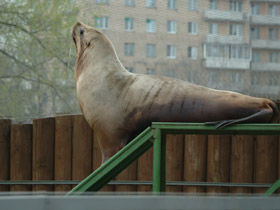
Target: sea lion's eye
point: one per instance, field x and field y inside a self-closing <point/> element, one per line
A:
<point x="82" y="32"/>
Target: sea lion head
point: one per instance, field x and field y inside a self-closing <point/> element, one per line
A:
<point x="86" y="37"/>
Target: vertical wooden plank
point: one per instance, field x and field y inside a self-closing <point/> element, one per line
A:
<point x="218" y="163"/>
<point x="63" y="151"/>
<point x="21" y="155"/>
<point x="242" y="162"/>
<point x="5" y="126"/>
<point x="97" y="159"/>
<point x="145" y="170"/>
<point x="43" y="152"/>
<point x="129" y="174"/>
<point x="82" y="148"/>
<point x="174" y="161"/>
<point x="195" y="162"/>
<point x="266" y="163"/>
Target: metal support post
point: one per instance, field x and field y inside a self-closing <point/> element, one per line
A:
<point x="159" y="161"/>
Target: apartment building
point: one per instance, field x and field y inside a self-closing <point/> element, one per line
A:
<point x="223" y="44"/>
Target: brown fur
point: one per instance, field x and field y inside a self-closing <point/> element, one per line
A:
<point x="118" y="105"/>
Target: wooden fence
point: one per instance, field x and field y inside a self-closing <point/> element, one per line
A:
<point x="64" y="148"/>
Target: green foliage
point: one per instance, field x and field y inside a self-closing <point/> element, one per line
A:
<point x="37" y="58"/>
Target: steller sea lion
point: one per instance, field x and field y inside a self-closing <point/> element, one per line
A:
<point x="118" y="104"/>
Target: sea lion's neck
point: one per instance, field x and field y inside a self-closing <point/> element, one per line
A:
<point x="99" y="57"/>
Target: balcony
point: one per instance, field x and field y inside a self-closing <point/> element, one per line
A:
<point x="225" y="15"/>
<point x="223" y="63"/>
<point x="265" y="20"/>
<point x="212" y="38"/>
<point x="264" y="67"/>
<point x="266" y="44"/>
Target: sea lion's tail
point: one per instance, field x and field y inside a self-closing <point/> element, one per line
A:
<point x="269" y="114"/>
<point x="275" y="113"/>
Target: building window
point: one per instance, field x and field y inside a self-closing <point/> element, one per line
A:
<point x="235" y="30"/>
<point x="171" y="73"/>
<point x="236" y="51"/>
<point x="273" y="33"/>
<point x="130" y="3"/>
<point x="171" y="51"/>
<point x="192" y="5"/>
<point x="171" y="27"/>
<point x="254" y="80"/>
<point x="235" y="77"/>
<point x="151" y="3"/>
<point x="213" y="28"/>
<point x="101" y="1"/>
<point x="236" y="6"/>
<point x="151" y="71"/>
<point x="213" y="50"/>
<point x="213" y="77"/>
<point x="273" y="10"/>
<point x="192" y="28"/>
<point x="172" y="4"/>
<point x="150" y="25"/>
<point x="129" y="49"/>
<point x="192" y="53"/>
<point x="273" y="81"/>
<point x="102" y="22"/>
<point x="213" y="4"/>
<point x="255" y="9"/>
<point x="273" y="57"/>
<point x="129" y="24"/>
<point x="255" y="33"/>
<point x="191" y="76"/>
<point x="130" y="69"/>
<point x="151" y="50"/>
<point x="256" y="56"/>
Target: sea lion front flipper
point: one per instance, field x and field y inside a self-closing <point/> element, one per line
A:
<point x="224" y="123"/>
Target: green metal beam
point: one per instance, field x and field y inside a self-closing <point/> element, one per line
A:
<point x="159" y="162"/>
<point x="201" y="128"/>
<point x="116" y="164"/>
<point x="273" y="188"/>
<point x="157" y="135"/>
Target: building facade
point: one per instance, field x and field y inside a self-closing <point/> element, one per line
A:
<point x="223" y="44"/>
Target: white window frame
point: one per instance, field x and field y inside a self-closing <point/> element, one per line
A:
<point x="129" y="24"/>
<point x="273" y="10"/>
<point x="193" y="5"/>
<point x="236" y="30"/>
<point x="172" y="4"/>
<point x="273" y="34"/>
<point x="235" y="6"/>
<point x="130" y="3"/>
<point x="151" y="3"/>
<point x="171" y="27"/>
<point x="236" y="52"/>
<point x="255" y="9"/>
<point x="256" y="56"/>
<point x="254" y="33"/>
<point x="235" y="77"/>
<point x="213" y="4"/>
<point x="150" y="25"/>
<point x="192" y="28"/>
<point x="102" y="22"/>
<point x="129" y="49"/>
<point x="274" y="57"/>
<point x="214" y="28"/>
<point x="171" y="51"/>
<point x="150" y="50"/>
<point x="192" y="52"/>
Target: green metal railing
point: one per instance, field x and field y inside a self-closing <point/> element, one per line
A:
<point x="156" y="136"/>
